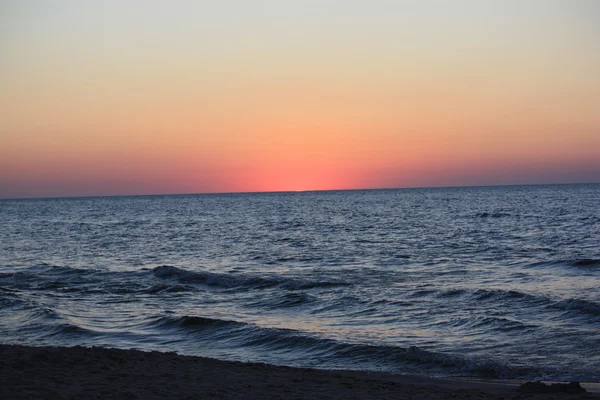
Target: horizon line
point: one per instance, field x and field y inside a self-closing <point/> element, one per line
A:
<point x="292" y="191"/>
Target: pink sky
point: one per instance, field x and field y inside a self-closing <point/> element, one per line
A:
<point x="171" y="97"/>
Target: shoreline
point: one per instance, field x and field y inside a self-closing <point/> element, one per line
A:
<point x="93" y="372"/>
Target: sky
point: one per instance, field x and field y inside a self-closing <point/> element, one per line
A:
<point x="146" y="97"/>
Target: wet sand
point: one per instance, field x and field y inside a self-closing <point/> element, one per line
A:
<point x="97" y="373"/>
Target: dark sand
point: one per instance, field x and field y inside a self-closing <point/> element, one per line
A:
<point x="95" y="373"/>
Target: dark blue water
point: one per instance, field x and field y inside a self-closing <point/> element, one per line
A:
<point x="499" y="282"/>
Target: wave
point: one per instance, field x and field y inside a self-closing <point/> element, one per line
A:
<point x="493" y="324"/>
<point x="496" y="214"/>
<point x="484" y="294"/>
<point x="578" y="305"/>
<point x="69" y="329"/>
<point x="452" y="293"/>
<point x="52" y="277"/>
<point x="8" y="298"/>
<point x="76" y="281"/>
<point x="249" y="338"/>
<point x="287" y="300"/>
<point x="165" y="288"/>
<point x="193" y="321"/>
<point x="332" y="352"/>
<point x="237" y="281"/>
<point x="290" y="297"/>
<point x="280" y="345"/>
<point x="584" y="263"/>
<point x="26" y="309"/>
<point x="64" y="270"/>
<point x="493" y="295"/>
<point x="573" y="305"/>
<point x="26" y="319"/>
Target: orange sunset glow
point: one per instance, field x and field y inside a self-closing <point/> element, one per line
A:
<point x="105" y="98"/>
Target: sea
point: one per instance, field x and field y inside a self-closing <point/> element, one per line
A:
<point x="478" y="282"/>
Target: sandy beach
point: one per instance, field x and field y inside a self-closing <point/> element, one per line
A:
<point x="97" y="373"/>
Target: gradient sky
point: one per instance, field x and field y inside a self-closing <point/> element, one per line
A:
<point x="113" y="97"/>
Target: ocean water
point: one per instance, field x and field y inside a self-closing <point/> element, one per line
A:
<point x="495" y="282"/>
